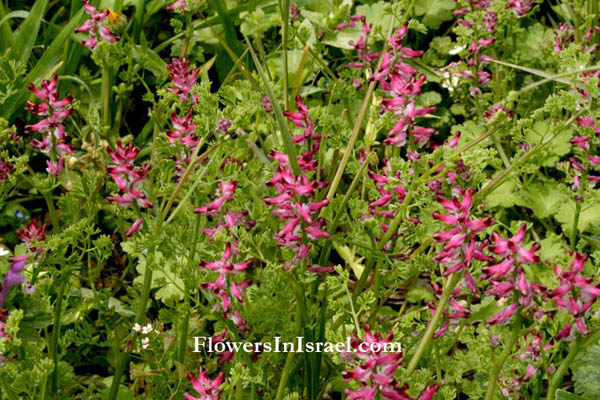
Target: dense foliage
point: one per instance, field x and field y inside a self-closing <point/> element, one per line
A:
<point x="422" y="172"/>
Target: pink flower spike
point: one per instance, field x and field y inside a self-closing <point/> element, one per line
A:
<point x="504" y="316"/>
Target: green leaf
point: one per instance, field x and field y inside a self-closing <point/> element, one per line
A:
<point x="586" y="373"/>
<point x="164" y="278"/>
<point x="28" y="33"/>
<point x="562" y="395"/>
<point x="434" y="12"/>
<point x="46" y="64"/>
<point x="543" y="198"/>
<point x="559" y="147"/>
<point x="589" y="215"/>
<point x="504" y="196"/>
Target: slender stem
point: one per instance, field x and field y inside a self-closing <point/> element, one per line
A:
<point x="6" y="388"/>
<point x="288" y="144"/>
<point x="562" y="369"/>
<point x="106" y="94"/>
<point x="290" y="356"/>
<point x="450" y="284"/>
<point x="139" y="20"/>
<point x="51" y="210"/>
<point x="361" y="115"/>
<point x="285" y="14"/>
<point x="573" y="237"/>
<point x="186" y="319"/>
<point x="497" y="367"/>
<point x="141" y="313"/>
<point x="55" y="334"/>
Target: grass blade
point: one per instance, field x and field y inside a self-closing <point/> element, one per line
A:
<point x="45" y="64"/>
<point x="28" y="33"/>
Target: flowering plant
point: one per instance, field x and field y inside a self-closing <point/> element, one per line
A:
<point x="335" y="171"/>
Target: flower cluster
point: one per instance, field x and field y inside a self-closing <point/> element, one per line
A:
<point x="225" y="287"/>
<point x="96" y="27"/>
<point x="32" y="234"/>
<point x="576" y="295"/>
<point x="299" y="216"/>
<point x="375" y="373"/>
<point x="56" y="111"/>
<point x="183" y="79"/>
<point x="127" y="176"/>
<point x="208" y="389"/>
<point x="14" y="277"/>
<point x="507" y="278"/>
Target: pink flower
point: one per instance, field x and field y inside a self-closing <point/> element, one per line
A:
<point x="32" y="234"/>
<point x="208" y="389"/>
<point x="183" y="79"/>
<point x="14" y="276"/>
<point x="5" y="169"/>
<point x="95" y="27"/>
<point x="56" y="167"/>
<point x="127" y="176"/>
<point x="134" y="227"/>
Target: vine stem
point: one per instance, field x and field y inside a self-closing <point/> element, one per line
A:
<point x="497" y="367"/>
<point x="450" y="284"/>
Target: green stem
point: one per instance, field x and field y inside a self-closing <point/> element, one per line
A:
<point x="290" y="356"/>
<point x="450" y="284"/>
<point x="55" y="333"/>
<point x="497" y="367"/>
<point x="51" y="210"/>
<point x="6" y="388"/>
<point x="186" y="319"/>
<point x="141" y="314"/>
<point x="562" y="369"/>
<point x="573" y="237"/>
<point x="361" y="115"/>
<point x="139" y="20"/>
<point x="105" y="94"/>
<point x="284" y="54"/>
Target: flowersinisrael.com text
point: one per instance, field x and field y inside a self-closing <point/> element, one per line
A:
<point x="203" y="343"/>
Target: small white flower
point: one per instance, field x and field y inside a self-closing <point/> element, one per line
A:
<point x="145" y="342"/>
<point x="4" y="252"/>
<point x="137" y="327"/>
<point x="456" y="50"/>
<point x="147" y="329"/>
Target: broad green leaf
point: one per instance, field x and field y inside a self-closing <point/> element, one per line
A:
<point x="150" y="61"/>
<point x="562" y="395"/>
<point x="504" y="196"/>
<point x="551" y="247"/>
<point x="164" y="278"/>
<point x="543" y="198"/>
<point x="559" y="146"/>
<point x="434" y="12"/>
<point x="586" y="373"/>
<point x="589" y="215"/>
<point x="375" y="14"/>
<point x="28" y="33"/>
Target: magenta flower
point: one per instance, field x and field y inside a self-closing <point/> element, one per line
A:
<point x="183" y="79"/>
<point x="184" y="131"/>
<point x="576" y="294"/>
<point x="5" y="169"/>
<point x="56" y="111"/>
<point x="32" y="234"/>
<point x="520" y="7"/>
<point x="14" y="276"/>
<point x="95" y="27"/>
<point x="208" y="389"/>
<point x="134" y="227"/>
<point x="54" y="168"/>
<point x="127" y="176"/>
